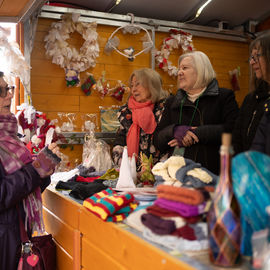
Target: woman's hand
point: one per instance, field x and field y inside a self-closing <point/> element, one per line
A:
<point x="189" y="139"/>
<point x="173" y="143"/>
<point x="55" y="149"/>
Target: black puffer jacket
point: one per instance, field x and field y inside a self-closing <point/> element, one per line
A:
<point x="249" y="117"/>
<point x="217" y="110"/>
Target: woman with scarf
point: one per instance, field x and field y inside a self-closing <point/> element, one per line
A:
<point x="21" y="181"/>
<point x="194" y="119"/>
<point x="140" y="116"/>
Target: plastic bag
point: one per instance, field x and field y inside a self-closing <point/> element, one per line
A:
<point x="96" y="153"/>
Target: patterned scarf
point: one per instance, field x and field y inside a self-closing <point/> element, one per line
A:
<point x="14" y="155"/>
<point x="142" y="117"/>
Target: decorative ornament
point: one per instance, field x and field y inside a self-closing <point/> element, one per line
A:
<point x="129" y="52"/>
<point x="118" y="92"/>
<point x="72" y="77"/>
<point x="177" y="38"/>
<point x="11" y="55"/>
<point x="101" y="86"/>
<point x="234" y="80"/>
<point x="88" y="84"/>
<point x="35" y="129"/>
<point x="69" y="58"/>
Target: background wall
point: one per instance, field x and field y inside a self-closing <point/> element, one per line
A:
<point x="50" y="94"/>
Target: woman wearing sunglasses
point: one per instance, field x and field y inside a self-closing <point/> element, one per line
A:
<point x="21" y="181"/>
<point x="252" y="108"/>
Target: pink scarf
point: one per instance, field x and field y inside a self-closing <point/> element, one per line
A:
<point x="14" y="155"/>
<point x="142" y="117"/>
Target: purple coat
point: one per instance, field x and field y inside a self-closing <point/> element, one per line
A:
<point x="13" y="189"/>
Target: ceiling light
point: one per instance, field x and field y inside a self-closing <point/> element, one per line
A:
<point x="199" y="11"/>
<point x="201" y="8"/>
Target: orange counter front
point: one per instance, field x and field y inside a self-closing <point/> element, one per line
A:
<point x="86" y="242"/>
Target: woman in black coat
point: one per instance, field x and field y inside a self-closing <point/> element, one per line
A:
<point x="21" y="181"/>
<point x="252" y="108"/>
<point x="193" y="120"/>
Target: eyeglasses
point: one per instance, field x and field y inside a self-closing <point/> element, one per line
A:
<point x="255" y="57"/>
<point x="5" y="90"/>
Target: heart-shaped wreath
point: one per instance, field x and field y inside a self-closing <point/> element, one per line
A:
<point x="177" y="38"/>
<point x="62" y="54"/>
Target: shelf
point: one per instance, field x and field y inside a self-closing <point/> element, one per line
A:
<point x="78" y="137"/>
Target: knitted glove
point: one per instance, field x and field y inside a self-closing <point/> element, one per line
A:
<point x="179" y="133"/>
<point x="45" y="162"/>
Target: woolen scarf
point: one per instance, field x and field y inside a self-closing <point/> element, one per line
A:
<point x="142" y="118"/>
<point x="14" y="155"/>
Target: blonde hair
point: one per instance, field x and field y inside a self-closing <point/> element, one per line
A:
<point x="150" y="80"/>
<point x="203" y="67"/>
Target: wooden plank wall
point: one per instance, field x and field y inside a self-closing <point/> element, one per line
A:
<point x="50" y="94"/>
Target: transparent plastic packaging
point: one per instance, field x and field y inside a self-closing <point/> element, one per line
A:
<point x="89" y="122"/>
<point x="260" y="247"/>
<point x="96" y="153"/>
<point x="67" y="121"/>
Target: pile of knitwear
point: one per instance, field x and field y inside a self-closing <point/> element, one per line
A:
<point x="111" y="206"/>
<point x="175" y="220"/>
<point x="82" y="187"/>
<point x="179" y="171"/>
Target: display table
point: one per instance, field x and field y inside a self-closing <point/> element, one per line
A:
<point x="86" y="242"/>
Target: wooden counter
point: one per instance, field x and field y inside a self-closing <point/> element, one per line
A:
<point x="86" y="242"/>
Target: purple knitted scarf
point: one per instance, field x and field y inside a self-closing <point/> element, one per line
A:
<point x="14" y="155"/>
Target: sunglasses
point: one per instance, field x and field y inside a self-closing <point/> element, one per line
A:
<point x="5" y="90"/>
<point x="255" y="57"/>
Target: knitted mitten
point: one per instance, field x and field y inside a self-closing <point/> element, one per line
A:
<point x="45" y="162"/>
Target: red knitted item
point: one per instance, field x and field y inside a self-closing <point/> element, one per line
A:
<point x="186" y="232"/>
<point x="181" y="194"/>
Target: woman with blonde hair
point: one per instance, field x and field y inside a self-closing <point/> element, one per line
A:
<point x="195" y="117"/>
<point x="140" y="116"/>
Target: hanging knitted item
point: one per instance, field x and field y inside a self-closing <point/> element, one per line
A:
<point x="88" y="84"/>
<point x="118" y="93"/>
<point x="72" y="78"/>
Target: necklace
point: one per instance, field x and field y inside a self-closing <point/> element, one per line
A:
<point x="181" y="110"/>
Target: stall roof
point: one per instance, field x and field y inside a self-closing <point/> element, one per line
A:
<point x="230" y="12"/>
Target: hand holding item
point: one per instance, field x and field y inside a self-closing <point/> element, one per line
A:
<point x="46" y="160"/>
<point x="189" y="139"/>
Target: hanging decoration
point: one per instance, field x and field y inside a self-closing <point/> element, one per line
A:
<point x="118" y="93"/>
<point x="234" y="78"/>
<point x="87" y="86"/>
<point x="14" y="60"/>
<point x="177" y="39"/>
<point x="34" y="128"/>
<point x="101" y="85"/>
<point x="72" y="60"/>
<point x="132" y="28"/>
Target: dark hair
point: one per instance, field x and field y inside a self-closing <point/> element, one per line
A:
<point x="262" y="43"/>
<point x="1" y="74"/>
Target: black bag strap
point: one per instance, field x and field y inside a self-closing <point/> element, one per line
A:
<point x="23" y="233"/>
